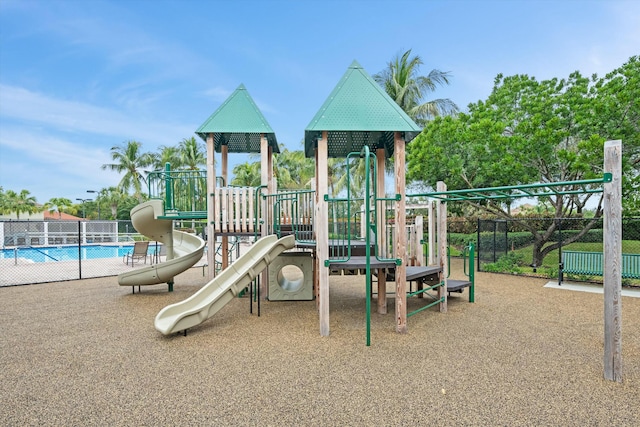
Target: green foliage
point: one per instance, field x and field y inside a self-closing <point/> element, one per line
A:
<point x="129" y="159"/>
<point x="460" y="240"/>
<point x="58" y="205"/>
<point x="509" y="263"/>
<point x="530" y="131"/>
<point x="408" y="89"/>
<point x="246" y="175"/>
<point x="18" y="203"/>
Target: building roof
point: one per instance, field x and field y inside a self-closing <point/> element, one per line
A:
<point x="238" y="123"/>
<point x="55" y="216"/>
<point x="358" y="112"/>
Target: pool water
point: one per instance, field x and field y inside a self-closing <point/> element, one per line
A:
<point x="67" y="253"/>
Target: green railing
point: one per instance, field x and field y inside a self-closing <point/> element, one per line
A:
<point x="184" y="192"/>
<point x="292" y="213"/>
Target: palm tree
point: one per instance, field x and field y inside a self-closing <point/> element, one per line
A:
<point x="167" y="154"/>
<point x="130" y="160"/>
<point x="404" y="85"/>
<point x="58" y="204"/>
<point x="246" y="175"/>
<point x="193" y="155"/>
<point x="113" y="196"/>
<point x="19" y="203"/>
<point x="3" y="202"/>
<point x="292" y="169"/>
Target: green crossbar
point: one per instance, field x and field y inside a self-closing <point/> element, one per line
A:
<point x="438" y="301"/>
<point x="422" y="291"/>
<point x="591" y="264"/>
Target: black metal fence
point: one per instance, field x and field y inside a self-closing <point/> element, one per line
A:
<point x="51" y="251"/>
<point x="535" y="244"/>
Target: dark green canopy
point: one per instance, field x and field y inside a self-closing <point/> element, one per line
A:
<point x="358" y="112"/>
<point x="238" y="124"/>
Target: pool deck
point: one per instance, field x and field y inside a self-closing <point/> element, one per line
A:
<point x="23" y="271"/>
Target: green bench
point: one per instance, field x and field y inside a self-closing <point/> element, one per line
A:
<point x="591" y="264"/>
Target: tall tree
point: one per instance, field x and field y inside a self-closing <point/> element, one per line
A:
<point x="19" y="203"/>
<point x="58" y="205"/>
<point x="529" y="131"/>
<point x="293" y="170"/>
<point x="3" y="201"/>
<point x="193" y="154"/>
<point x="167" y="154"/>
<point x="246" y="174"/>
<point x="113" y="197"/>
<point x="403" y="83"/>
<point x="129" y="159"/>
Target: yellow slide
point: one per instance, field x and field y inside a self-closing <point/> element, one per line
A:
<point x="183" y="249"/>
<point x="223" y="288"/>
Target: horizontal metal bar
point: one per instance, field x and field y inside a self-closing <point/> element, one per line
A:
<point x="425" y="307"/>
<point x="548" y="187"/>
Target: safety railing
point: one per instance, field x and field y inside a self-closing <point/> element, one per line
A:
<point x="293" y="214"/>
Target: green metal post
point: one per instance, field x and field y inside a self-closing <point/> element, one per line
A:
<point x="168" y="193"/>
<point x="472" y="288"/>
<point x="367" y="239"/>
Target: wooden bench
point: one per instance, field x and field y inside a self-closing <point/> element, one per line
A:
<point x="591" y="264"/>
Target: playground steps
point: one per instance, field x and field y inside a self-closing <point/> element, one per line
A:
<point x="457" y="285"/>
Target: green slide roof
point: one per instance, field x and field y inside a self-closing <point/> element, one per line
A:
<point x="238" y="123"/>
<point x="358" y="112"/>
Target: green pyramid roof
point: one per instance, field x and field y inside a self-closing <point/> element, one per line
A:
<point x="238" y="124"/>
<point x="358" y="112"/>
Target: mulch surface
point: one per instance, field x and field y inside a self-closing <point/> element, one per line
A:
<point x="86" y="353"/>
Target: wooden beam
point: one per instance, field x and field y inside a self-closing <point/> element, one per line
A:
<point x="380" y="230"/>
<point x="322" y="233"/>
<point x="612" y="231"/>
<point x="264" y="180"/>
<point x="419" y="231"/>
<point x="400" y="239"/>
<point x="211" y="188"/>
<point x="316" y="264"/>
<point x="432" y="234"/>
<point x="442" y="246"/>
<point x="224" y="253"/>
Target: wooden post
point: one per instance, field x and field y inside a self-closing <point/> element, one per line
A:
<point x="264" y="180"/>
<point x="322" y="232"/>
<point x="316" y="264"/>
<point x="442" y="246"/>
<point x="225" y="239"/>
<point x="612" y="230"/>
<point x="400" y="240"/>
<point x="380" y="227"/>
<point x="211" y="188"/>
<point x="432" y="234"/>
<point x="419" y="231"/>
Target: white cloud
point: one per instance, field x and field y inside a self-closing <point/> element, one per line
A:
<point x="70" y="116"/>
<point x="50" y="166"/>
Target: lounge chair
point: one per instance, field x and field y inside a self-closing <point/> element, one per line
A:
<point x="139" y="252"/>
<point x="160" y="251"/>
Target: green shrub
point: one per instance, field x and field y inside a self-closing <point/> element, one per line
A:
<point x="549" y="272"/>
<point x="509" y="263"/>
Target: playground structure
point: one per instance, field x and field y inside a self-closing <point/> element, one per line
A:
<point x="360" y="123"/>
<point x="183" y="250"/>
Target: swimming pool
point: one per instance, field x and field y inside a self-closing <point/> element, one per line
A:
<point x="68" y="253"/>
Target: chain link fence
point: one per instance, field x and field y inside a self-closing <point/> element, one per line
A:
<point x="535" y="245"/>
<point x="52" y="251"/>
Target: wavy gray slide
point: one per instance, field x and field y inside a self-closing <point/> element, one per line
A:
<point x="223" y="288"/>
<point x="183" y="249"/>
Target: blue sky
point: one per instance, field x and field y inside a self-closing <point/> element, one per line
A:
<point x="78" y="77"/>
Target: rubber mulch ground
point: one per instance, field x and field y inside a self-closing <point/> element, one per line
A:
<point x="87" y="353"/>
